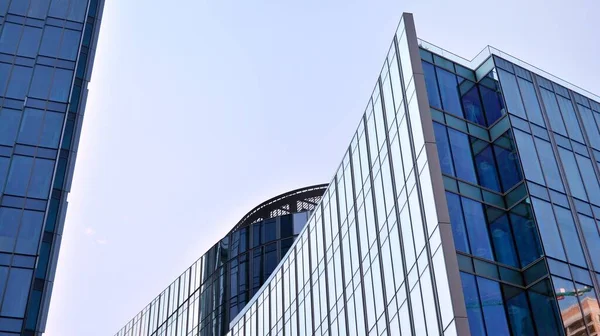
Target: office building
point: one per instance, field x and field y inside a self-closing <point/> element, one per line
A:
<point x="46" y="53"/>
<point x="211" y="292"/>
<point x="466" y="203"/>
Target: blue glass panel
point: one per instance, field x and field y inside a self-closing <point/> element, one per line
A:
<point x="3" y="278"/>
<point x="61" y="85"/>
<point x="553" y="112"/>
<point x="532" y="105"/>
<point x="19" y="82"/>
<point x="431" y="83"/>
<point x="493" y="307"/>
<point x="17" y="290"/>
<point x="526" y="238"/>
<point x="486" y="169"/>
<point x="504" y="247"/>
<point x="4" y="75"/>
<point x="19" y="7"/>
<point x="30" y="41"/>
<point x="9" y="124"/>
<point x="545" y="314"/>
<point x="77" y="10"/>
<point x="591" y="128"/>
<point x="572" y="173"/>
<point x="589" y="176"/>
<point x="18" y="175"/>
<point x="38" y="9"/>
<point x="549" y="165"/>
<point x="53" y="123"/>
<point x="41" y="178"/>
<point x="449" y="92"/>
<point x="40" y="85"/>
<point x="531" y="164"/>
<point x="443" y="147"/>
<point x="4" y="163"/>
<point x="511" y="92"/>
<point x="548" y="229"/>
<point x="592" y="239"/>
<point x="9" y="226"/>
<point x="58" y="9"/>
<point x="31" y="125"/>
<point x="50" y="41"/>
<point x="458" y="223"/>
<point x="519" y="315"/>
<point x="508" y="168"/>
<point x="29" y="232"/>
<point x="463" y="158"/>
<point x="567" y="301"/>
<point x="477" y="229"/>
<point x="566" y="224"/>
<point x="70" y="44"/>
<point x="10" y="37"/>
<point x="473" y="305"/>
<point x="570" y="118"/>
<point x="492" y="104"/>
<point x="472" y="104"/>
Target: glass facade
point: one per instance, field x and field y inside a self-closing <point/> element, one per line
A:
<point x="46" y="54"/>
<point x="467" y="203"/>
<point x="211" y="292"/>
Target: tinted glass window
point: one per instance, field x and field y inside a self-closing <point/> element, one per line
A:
<point x="591" y="182"/>
<point x="590" y="125"/>
<point x="30" y="41"/>
<point x="58" y="8"/>
<point x="18" y="175"/>
<point x="31" y="126"/>
<point x="476" y="324"/>
<point x="61" y="85"/>
<point x="569" y="234"/>
<point x="431" y="83"/>
<point x="521" y="322"/>
<point x="477" y="229"/>
<point x="592" y="238"/>
<point x="548" y="229"/>
<point x="9" y="226"/>
<point x="51" y="41"/>
<point x="463" y="158"/>
<point x="269" y="231"/>
<point x="4" y="163"/>
<point x="449" y="92"/>
<point x="492" y="104"/>
<point x="486" y="169"/>
<point x="4" y="75"/>
<point x="19" y="7"/>
<point x="41" y="178"/>
<point x="457" y="221"/>
<point x="9" y="39"/>
<point x="549" y="165"/>
<point x="570" y="118"/>
<point x="29" y="232"/>
<point x="573" y="177"/>
<point x="9" y="125"/>
<point x="493" y="307"/>
<point x="443" y="147"/>
<point x="17" y="290"/>
<point x="532" y="106"/>
<point x="510" y="173"/>
<point x="70" y="44"/>
<point x="528" y="156"/>
<point x="553" y="112"/>
<point x="77" y="10"/>
<point x="286" y="226"/>
<point x="19" y="82"/>
<point x="503" y="243"/>
<point x="39" y="9"/>
<point x="40" y="85"/>
<point x="472" y="103"/>
<point x="511" y="92"/>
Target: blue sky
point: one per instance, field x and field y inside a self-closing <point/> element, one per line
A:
<point x="199" y="110"/>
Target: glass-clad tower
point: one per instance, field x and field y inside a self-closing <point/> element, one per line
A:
<point x="46" y="53"/>
<point x="210" y="293"/>
<point x="467" y="203"/>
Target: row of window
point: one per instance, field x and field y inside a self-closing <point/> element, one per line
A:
<point x="41" y="82"/>
<point x="73" y="10"/>
<point x="30" y="127"/>
<point x="25" y="41"/>
<point x="26" y="176"/>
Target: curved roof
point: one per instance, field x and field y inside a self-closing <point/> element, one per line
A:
<point x="294" y="201"/>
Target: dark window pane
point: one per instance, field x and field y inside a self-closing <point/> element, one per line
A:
<point x="41" y="178"/>
<point x="19" y="7"/>
<point x="570" y="118"/>
<point x="270" y="259"/>
<point x="256" y="234"/>
<point x="569" y="234"/>
<point x="38" y="8"/>
<point x="9" y="125"/>
<point x="449" y="92"/>
<point x="591" y="128"/>
<point x="548" y="229"/>
<point x="549" y="165"/>
<point x="531" y="164"/>
<point x="503" y="242"/>
<point x="31" y="126"/>
<point x="51" y="41"/>
<point x="588" y="175"/>
<point x="17" y="290"/>
<point x="4" y="75"/>
<point x="40" y="85"/>
<point x="443" y="147"/>
<point x="18" y="175"/>
<point x="29" y="232"/>
<point x="511" y="92"/>
<point x="11" y="33"/>
<point x="458" y="222"/>
<point x="30" y="41"/>
<point x="77" y="10"/>
<point x="592" y="238"/>
<point x="486" y="169"/>
<point x="554" y="116"/>
<point x="286" y="226"/>
<point x="19" y="82"/>
<point x="269" y="230"/>
<point x="70" y="44"/>
<point x="9" y="226"/>
<point x="492" y="104"/>
<point x="532" y="106"/>
<point x="4" y="163"/>
<point x="477" y="229"/>
<point x="572" y="173"/>
<point x="431" y="83"/>
<point x="61" y="85"/>
<point x="493" y="307"/>
<point x="3" y="279"/>
<point x="463" y="158"/>
<point x="58" y="9"/>
<point x="473" y="305"/>
<point x="472" y="103"/>
<point x="526" y="238"/>
<point x="567" y="301"/>
<point x="519" y="313"/>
